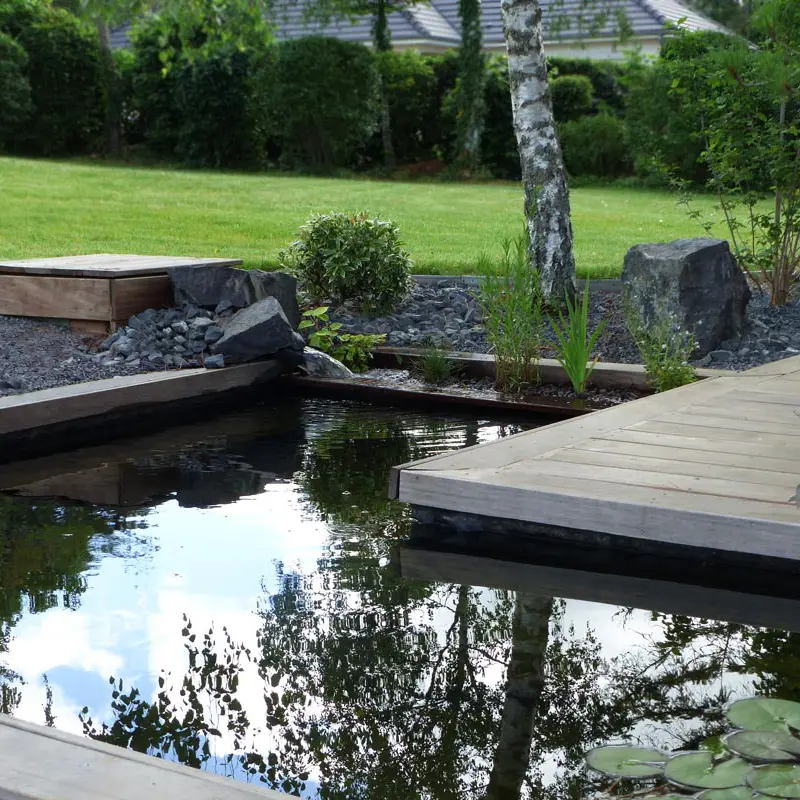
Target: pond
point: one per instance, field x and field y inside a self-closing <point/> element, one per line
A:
<point x="240" y="595"/>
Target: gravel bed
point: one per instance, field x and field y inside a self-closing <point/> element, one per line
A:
<point x="448" y="313"/>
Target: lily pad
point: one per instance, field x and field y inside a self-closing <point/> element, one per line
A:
<point x="700" y="771"/>
<point x="764" y="714"/>
<point x="737" y="793"/>
<point x="773" y="746"/>
<point x="621" y="761"/>
<point x="776" y="780"/>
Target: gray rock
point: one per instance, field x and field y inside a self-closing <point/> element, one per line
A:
<point x="201" y="323"/>
<point x="721" y="356"/>
<point x="214" y="362"/>
<point x="298" y="342"/>
<point x="213" y="334"/>
<point x="696" y="282"/>
<point x="180" y="326"/>
<point x="257" y="331"/>
<point x="211" y="287"/>
<point x="320" y="365"/>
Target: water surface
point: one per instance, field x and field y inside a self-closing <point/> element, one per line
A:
<point x="240" y="596"/>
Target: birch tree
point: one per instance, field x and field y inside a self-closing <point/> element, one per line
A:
<point x="544" y="176"/>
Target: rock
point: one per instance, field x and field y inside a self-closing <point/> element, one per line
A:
<point x="219" y="288"/>
<point x="201" y="322"/>
<point x="180" y="327"/>
<point x="320" y="365"/>
<point x="721" y="356"/>
<point x="298" y="342"/>
<point x="214" y="362"/>
<point x="213" y="334"/>
<point x="697" y="282"/>
<point x="257" y="331"/>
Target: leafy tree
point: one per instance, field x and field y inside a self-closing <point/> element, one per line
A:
<point x="471" y="86"/>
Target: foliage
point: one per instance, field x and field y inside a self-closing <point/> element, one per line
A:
<point x="323" y="98"/>
<point x="752" y="141"/>
<point x="433" y="365"/>
<point x="469" y="89"/>
<point x="664" y="347"/>
<point x="355" y="257"/>
<point x="573" y="97"/>
<point x="513" y="314"/>
<point x="499" y="143"/>
<point x="574" y="343"/>
<point x="15" y="90"/>
<point x="354" y="350"/>
<point x="608" y="79"/>
<point x="66" y="73"/>
<point x="596" y="146"/>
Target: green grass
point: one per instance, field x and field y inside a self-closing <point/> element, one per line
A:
<point x="54" y="208"/>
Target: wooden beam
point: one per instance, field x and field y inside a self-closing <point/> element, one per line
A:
<point x="60" y="298"/>
<point x="131" y="296"/>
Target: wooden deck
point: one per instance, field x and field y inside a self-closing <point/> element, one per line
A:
<point x="39" y="763"/>
<point x="715" y="465"/>
<point x="94" y="292"/>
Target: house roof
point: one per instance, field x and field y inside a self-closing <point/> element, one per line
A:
<point x="437" y="22"/>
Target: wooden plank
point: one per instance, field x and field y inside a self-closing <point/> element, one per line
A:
<point x="769" y="393"/>
<point x="131" y="296"/>
<point x="614" y="590"/>
<point x="108" y="265"/>
<point x="676" y="466"/>
<point x="695" y="419"/>
<point x="42" y="763"/>
<point x="695" y="451"/>
<point x="68" y="403"/>
<point x="713" y="434"/>
<point x="684" y="518"/>
<point x="773" y="447"/>
<point x="737" y="408"/>
<point x="61" y="298"/>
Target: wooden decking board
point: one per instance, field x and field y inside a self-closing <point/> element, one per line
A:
<point x="714" y="464"/>
<point x="107" y="265"/>
<point x="40" y="763"/>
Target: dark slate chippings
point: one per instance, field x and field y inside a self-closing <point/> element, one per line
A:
<point x="39" y="354"/>
<point x="449" y="313"/>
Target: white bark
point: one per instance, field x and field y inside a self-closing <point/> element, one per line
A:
<point x="544" y="177"/>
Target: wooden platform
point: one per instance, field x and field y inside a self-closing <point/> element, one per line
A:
<point x="95" y="292"/>
<point x="39" y="763"/>
<point x="715" y="464"/>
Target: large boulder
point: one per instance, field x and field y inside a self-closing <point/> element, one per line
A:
<point x="255" y="332"/>
<point x="697" y="282"/>
<point x="228" y="287"/>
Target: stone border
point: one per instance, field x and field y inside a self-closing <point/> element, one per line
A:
<point x="471" y="281"/>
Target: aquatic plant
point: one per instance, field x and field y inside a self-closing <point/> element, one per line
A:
<point x="433" y="365"/>
<point x="759" y="758"/>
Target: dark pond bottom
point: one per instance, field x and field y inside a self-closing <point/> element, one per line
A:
<point x="239" y="595"/>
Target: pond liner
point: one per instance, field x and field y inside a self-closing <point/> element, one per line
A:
<point x="547" y="408"/>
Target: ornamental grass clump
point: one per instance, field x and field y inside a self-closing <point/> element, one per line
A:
<point x="574" y="344"/>
<point x="514" y="317"/>
<point x="341" y="257"/>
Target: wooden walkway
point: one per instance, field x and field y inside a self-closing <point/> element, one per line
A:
<point x="38" y="763"/>
<point x="715" y="464"/>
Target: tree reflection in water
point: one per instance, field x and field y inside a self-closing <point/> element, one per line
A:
<point x="373" y="686"/>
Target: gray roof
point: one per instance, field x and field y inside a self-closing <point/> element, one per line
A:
<point x="437" y="22"/>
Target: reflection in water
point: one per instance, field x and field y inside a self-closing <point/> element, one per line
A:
<point x="350" y="680"/>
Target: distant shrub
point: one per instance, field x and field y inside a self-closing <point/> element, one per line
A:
<point x="15" y="90"/>
<point x="499" y="142"/>
<point x="324" y="101"/>
<point x="608" y="79"/>
<point x="342" y="257"/>
<point x="67" y="77"/>
<point x="596" y="146"/>
<point x="572" y="97"/>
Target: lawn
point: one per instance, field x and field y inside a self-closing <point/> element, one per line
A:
<point x="53" y="208"/>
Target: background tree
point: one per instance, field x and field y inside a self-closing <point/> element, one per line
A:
<point x="471" y="87"/>
<point x="544" y="177"/>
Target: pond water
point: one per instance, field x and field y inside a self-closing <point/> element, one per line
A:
<point x="239" y="595"/>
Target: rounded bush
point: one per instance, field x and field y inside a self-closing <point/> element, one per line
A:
<point x="573" y="97"/>
<point x="340" y="257"/>
<point x="596" y="146"/>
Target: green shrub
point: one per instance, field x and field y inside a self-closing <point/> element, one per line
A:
<point x="607" y="78"/>
<point x="354" y="350"/>
<point x="350" y="257"/>
<point x="573" y="97"/>
<point x="596" y="146"/>
<point x="499" y="142"/>
<point x="15" y="91"/>
<point x="67" y="77"/>
<point x="324" y="102"/>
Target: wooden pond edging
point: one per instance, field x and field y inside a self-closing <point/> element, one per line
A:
<point x="40" y="763"/>
<point x="715" y="464"/>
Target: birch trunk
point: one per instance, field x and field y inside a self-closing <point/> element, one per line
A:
<point x="524" y="685"/>
<point x="544" y="177"/>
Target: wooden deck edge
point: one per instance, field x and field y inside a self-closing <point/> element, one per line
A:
<point x="42" y="763"/>
<point x="64" y="404"/>
<point x="606" y="374"/>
